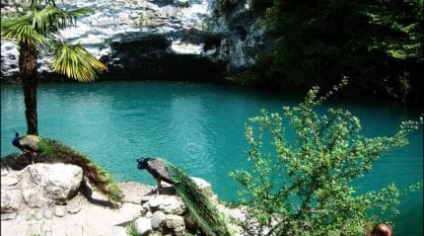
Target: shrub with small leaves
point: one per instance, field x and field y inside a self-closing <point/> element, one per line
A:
<point x="307" y="181"/>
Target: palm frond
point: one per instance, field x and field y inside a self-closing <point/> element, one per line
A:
<point x="21" y="30"/>
<point x="77" y="63"/>
<point x="52" y="19"/>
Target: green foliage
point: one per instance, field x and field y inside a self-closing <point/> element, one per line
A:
<point x="76" y="62"/>
<point x="308" y="181"/>
<point x="226" y="6"/>
<point x="21" y="30"/>
<point x="131" y="230"/>
<point x="377" y="43"/>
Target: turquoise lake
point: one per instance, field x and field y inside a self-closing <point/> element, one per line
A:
<point x="198" y="127"/>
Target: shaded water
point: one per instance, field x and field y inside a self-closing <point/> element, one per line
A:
<point x="198" y="127"/>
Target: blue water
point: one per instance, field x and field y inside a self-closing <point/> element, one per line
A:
<point x="198" y="127"/>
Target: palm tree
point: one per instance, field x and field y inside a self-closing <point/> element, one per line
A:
<point x="38" y="24"/>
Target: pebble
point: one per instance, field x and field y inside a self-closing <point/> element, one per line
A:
<point x="59" y="211"/>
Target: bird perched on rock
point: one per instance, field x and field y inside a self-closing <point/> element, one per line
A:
<point x="157" y="168"/>
<point x="50" y="151"/>
<point x="27" y="144"/>
<point x="199" y="205"/>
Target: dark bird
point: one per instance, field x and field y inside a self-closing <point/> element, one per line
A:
<point x="199" y="205"/>
<point x="157" y="169"/>
<point x="51" y="151"/>
<point x="27" y="144"/>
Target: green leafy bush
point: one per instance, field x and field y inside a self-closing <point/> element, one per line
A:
<point x="307" y="182"/>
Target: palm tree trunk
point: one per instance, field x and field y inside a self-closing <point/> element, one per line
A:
<point x="28" y="69"/>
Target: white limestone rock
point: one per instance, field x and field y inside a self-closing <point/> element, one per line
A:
<point x="49" y="184"/>
<point x="143" y="226"/>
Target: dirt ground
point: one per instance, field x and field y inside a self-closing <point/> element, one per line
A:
<point x="80" y="217"/>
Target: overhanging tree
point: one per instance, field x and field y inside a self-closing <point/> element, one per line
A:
<point x="37" y="24"/>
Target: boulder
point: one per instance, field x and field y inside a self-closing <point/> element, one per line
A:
<point x="49" y="184"/>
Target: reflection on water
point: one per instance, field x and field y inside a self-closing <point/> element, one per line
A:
<point x="198" y="127"/>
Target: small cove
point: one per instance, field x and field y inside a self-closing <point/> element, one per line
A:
<point x="198" y="127"/>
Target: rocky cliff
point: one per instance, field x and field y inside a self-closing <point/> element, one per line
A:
<point x="161" y="39"/>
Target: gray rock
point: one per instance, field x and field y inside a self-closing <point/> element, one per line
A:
<point x="143" y="226"/>
<point x="34" y="197"/>
<point x="10" y="200"/>
<point x="155" y="202"/>
<point x="48" y="214"/>
<point x="30" y="214"/>
<point x="39" y="214"/>
<point x="59" y="211"/>
<point x="158" y="219"/>
<point x="175" y="222"/>
<point x="47" y="184"/>
<point x="172" y="205"/>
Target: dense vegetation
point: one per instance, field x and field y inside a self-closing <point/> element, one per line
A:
<point x="377" y="44"/>
<point x="306" y="183"/>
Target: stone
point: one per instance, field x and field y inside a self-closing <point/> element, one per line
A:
<point x="30" y="215"/>
<point x="73" y="210"/>
<point x="145" y="198"/>
<point x="155" y="202"/>
<point x="207" y="188"/>
<point x="172" y="205"/>
<point x="59" y="211"/>
<point x="9" y="181"/>
<point x="133" y="191"/>
<point x="33" y="197"/>
<point x="8" y="216"/>
<point x="49" y="184"/>
<point x="143" y="226"/>
<point x="39" y="214"/>
<point x="174" y="222"/>
<point x="158" y="219"/>
<point x="10" y="200"/>
<point x="48" y="214"/>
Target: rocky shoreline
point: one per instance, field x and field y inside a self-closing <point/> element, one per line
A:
<point x="53" y="199"/>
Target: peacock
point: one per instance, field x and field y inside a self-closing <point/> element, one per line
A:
<point x="27" y="145"/>
<point x="47" y="150"/>
<point x="199" y="206"/>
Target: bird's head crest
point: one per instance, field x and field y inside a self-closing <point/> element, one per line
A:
<point x="142" y="163"/>
<point x="15" y="140"/>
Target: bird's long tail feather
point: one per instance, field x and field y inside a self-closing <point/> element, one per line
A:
<point x="200" y="207"/>
<point x="101" y="179"/>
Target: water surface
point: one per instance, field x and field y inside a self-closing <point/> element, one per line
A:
<point x="198" y="127"/>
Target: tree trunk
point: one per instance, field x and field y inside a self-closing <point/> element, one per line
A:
<point x="28" y="69"/>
